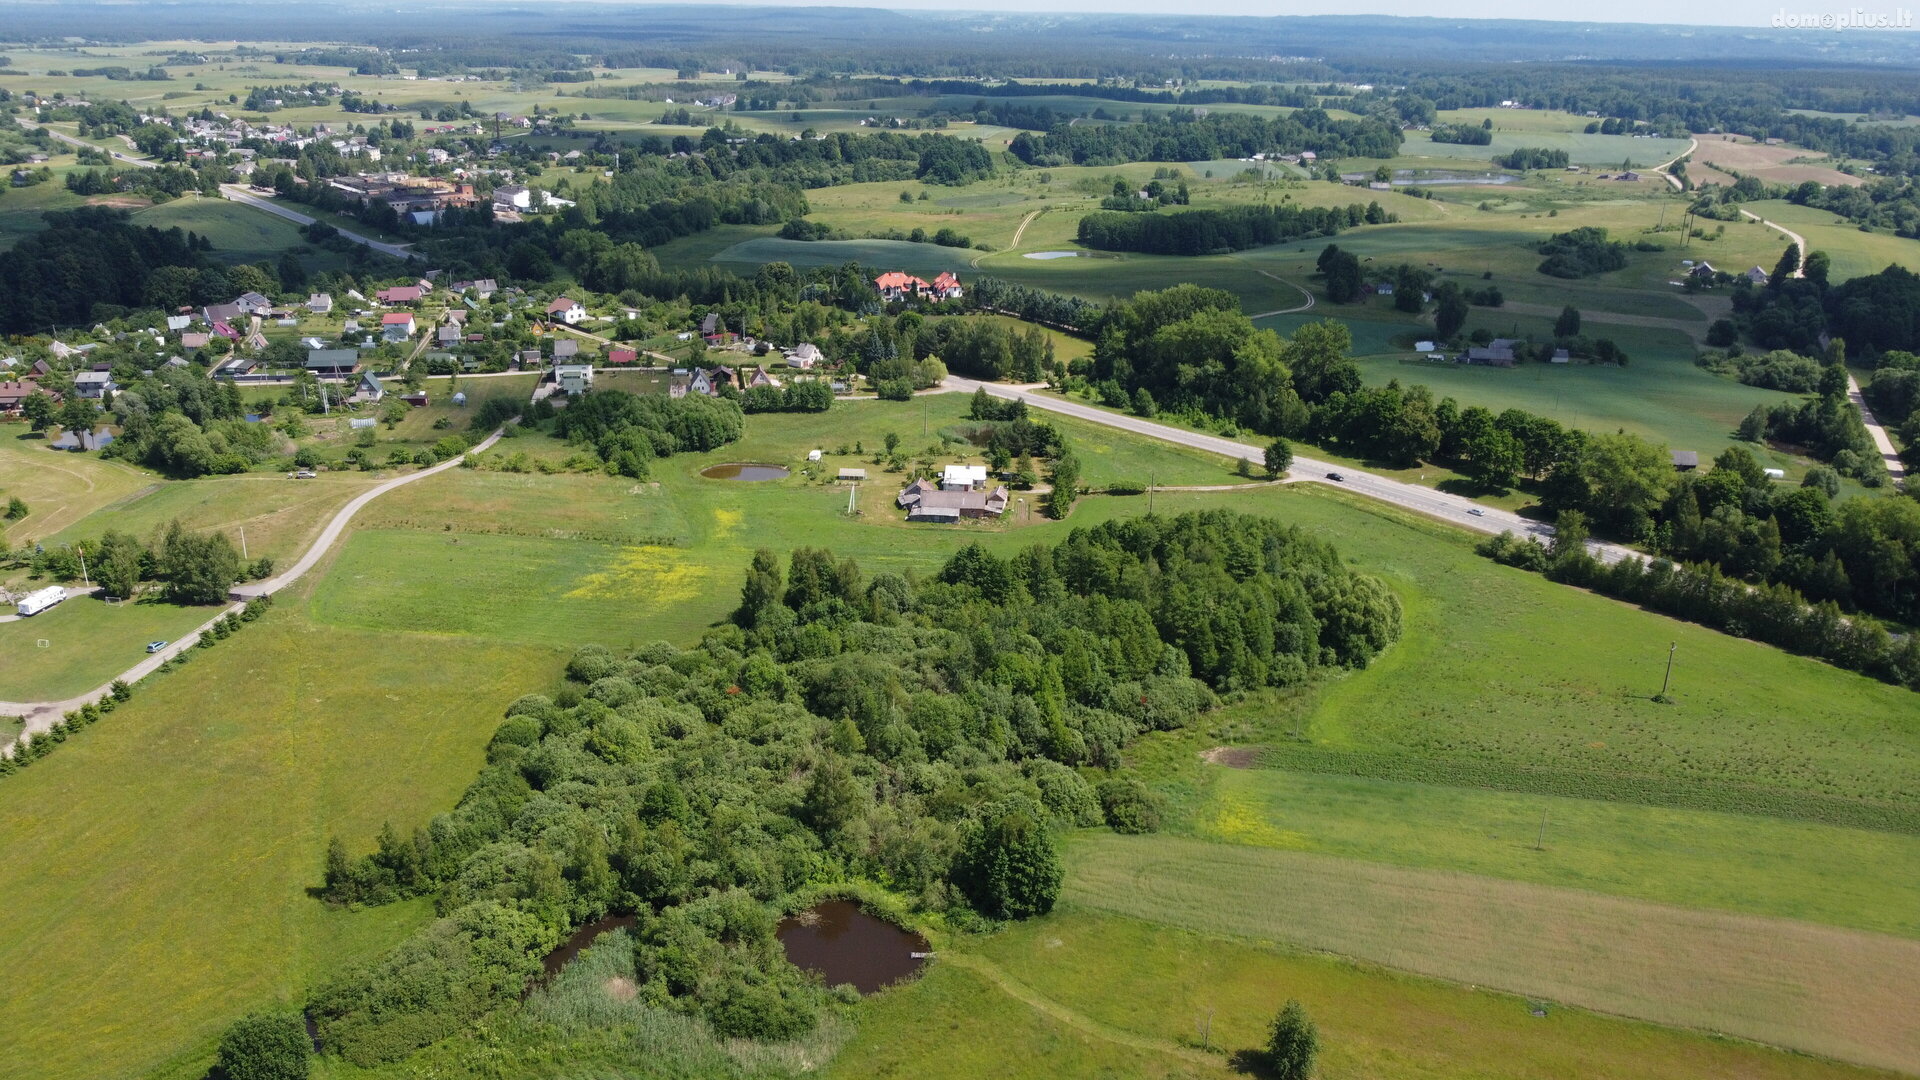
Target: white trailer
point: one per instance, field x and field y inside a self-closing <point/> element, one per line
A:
<point x="36" y="602"/>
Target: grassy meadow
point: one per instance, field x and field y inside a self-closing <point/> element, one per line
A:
<point x="88" y="643"/>
<point x="157" y="864"/>
<point x="1084" y="993"/>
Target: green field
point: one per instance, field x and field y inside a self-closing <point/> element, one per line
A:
<point x="88" y="643"/>
<point x="923" y="260"/>
<point x="1853" y="878"/>
<point x="1854" y="253"/>
<point x="280" y="517"/>
<point x="473" y="552"/>
<point x="1810" y="988"/>
<point x="157" y="864"/>
<point x="1085" y="994"/>
<point x="59" y="488"/>
<point x="239" y="233"/>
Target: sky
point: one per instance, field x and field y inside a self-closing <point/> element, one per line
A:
<point x="1758" y="14"/>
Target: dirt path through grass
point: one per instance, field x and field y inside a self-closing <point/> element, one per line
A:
<point x="1033" y="999"/>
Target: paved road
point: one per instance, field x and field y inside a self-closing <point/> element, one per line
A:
<point x="42" y="715"/>
<point x="71" y="141"/>
<point x="1451" y="509"/>
<point x="1895" y="467"/>
<point x="239" y="194"/>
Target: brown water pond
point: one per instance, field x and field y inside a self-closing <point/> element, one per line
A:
<point x="744" y="470"/>
<point x="843" y="944"/>
<point x="577" y="942"/>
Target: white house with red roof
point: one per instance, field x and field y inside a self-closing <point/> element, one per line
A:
<point x="567" y="311"/>
<point x="946" y="286"/>
<point x="397" y="325"/>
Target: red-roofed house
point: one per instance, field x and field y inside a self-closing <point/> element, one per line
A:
<point x="226" y="331"/>
<point x="13" y="393"/>
<point x="402" y="294"/>
<point x="397" y="325"/>
<point x="622" y="356"/>
<point x="894" y="285"/>
<point x="567" y="311"/>
<point x="946" y="286"/>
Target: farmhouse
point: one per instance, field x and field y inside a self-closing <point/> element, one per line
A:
<point x="1757" y="276"/>
<point x="963" y="478"/>
<point x="852" y="474"/>
<point x="804" y="356"/>
<point x="1491" y="355"/>
<point x="924" y="502"/>
<point x="567" y="311"/>
<point x="573" y="378"/>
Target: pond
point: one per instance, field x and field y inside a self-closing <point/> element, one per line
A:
<point x="92" y="440"/>
<point x="576" y="943"/>
<point x="843" y="944"/>
<point x="1052" y="255"/>
<point x="738" y="470"/>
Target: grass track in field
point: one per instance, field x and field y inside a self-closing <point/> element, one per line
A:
<point x="1816" y="989"/>
<point x="1855" y="878"/>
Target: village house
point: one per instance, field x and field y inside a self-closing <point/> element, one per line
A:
<point x="369" y="389"/>
<point x="571" y="312"/>
<point x="94" y="384"/>
<point x="1757" y="275"/>
<point x="622" y="356"/>
<point x="565" y="349"/>
<point x="400" y="294"/>
<point x="332" y="362"/>
<point x="320" y="303"/>
<point x="946" y="286"/>
<point x="12" y="394"/>
<point x="573" y="378"/>
<point x="895" y="285"/>
<point x="804" y="356"/>
<point x="397" y="326"/>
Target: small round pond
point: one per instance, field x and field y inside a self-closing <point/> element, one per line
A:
<point x="744" y="470"/>
<point x="843" y="944"/>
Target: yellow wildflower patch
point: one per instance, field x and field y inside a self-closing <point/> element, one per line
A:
<point x="659" y="575"/>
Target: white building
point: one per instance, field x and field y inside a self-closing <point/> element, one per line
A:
<point x="963" y="477"/>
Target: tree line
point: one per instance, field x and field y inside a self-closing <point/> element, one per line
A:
<point x="1201" y="232"/>
<point x="1185" y="136"/>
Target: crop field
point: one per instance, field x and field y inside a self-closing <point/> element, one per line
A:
<point x="157" y="864"/>
<point x="1595" y="151"/>
<point x="1854" y="253"/>
<point x="1721" y="156"/>
<point x="88" y="642"/>
<point x="1855" y="878"/>
<point x="1810" y="988"/>
<point x="1081" y="993"/>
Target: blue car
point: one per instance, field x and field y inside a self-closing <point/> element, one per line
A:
<point x="155" y="646"/>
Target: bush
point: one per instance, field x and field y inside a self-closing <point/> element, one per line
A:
<point x="1128" y="806"/>
<point x="894" y="389"/>
<point x="265" y="1046"/>
<point x="1008" y="867"/>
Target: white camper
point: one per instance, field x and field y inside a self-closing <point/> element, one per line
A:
<point x="36" y="602"/>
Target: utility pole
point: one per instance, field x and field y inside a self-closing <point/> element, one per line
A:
<point x="1540" y="842"/>
<point x="1151" y="477"/>
<point x="82" y="552"/>
<point x="1668" y="681"/>
<point x="243" y="541"/>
